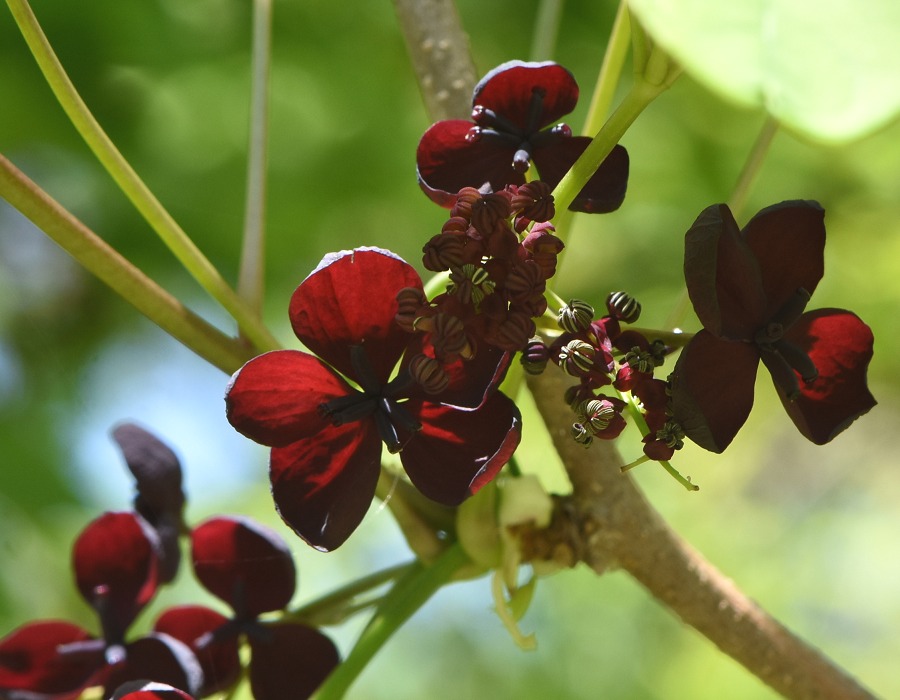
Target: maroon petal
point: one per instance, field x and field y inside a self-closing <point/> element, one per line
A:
<point x="274" y="399"/>
<point x="149" y="690"/>
<point x="788" y="240"/>
<point x="604" y="192"/>
<point x="508" y="88"/>
<point x="194" y="625"/>
<point x="473" y="381"/>
<point x="712" y="389"/>
<point x="723" y="277"/>
<point x="840" y="346"/>
<point x="323" y="485"/>
<point x="458" y="452"/>
<point x="160" y="658"/>
<point x="446" y="162"/>
<point x="116" y="566"/>
<point x="291" y="661"/>
<point x="350" y="299"/>
<point x="30" y="660"/>
<point x="247" y="565"/>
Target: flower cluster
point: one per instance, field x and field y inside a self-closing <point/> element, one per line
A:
<point x="121" y="560"/>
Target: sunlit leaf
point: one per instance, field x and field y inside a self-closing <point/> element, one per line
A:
<point x="825" y="69"/>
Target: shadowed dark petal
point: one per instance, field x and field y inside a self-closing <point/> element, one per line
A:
<point x="507" y="90"/>
<point x="723" y="277"/>
<point x="115" y="563"/>
<point x="840" y="346"/>
<point x="218" y="657"/>
<point x="788" y="240"/>
<point x="350" y="299"/>
<point x="446" y="162"/>
<point x="604" y="192"/>
<point x="473" y="381"/>
<point x="458" y="452"/>
<point x="156" y="470"/>
<point x="274" y="399"/>
<point x="712" y="389"/>
<point x="323" y="485"/>
<point x="149" y="690"/>
<point x="291" y="663"/>
<point x="162" y="658"/>
<point x="29" y="660"/>
<point x="246" y="564"/>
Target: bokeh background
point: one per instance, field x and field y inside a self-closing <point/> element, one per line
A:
<point x="810" y="533"/>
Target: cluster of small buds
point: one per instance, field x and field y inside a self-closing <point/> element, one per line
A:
<point x="497" y="273"/>
<point x="600" y="353"/>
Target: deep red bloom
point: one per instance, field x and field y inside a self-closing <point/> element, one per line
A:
<point x="116" y="568"/>
<point x="749" y="288"/>
<point x="326" y="435"/>
<point x="250" y="567"/>
<point x="511" y="108"/>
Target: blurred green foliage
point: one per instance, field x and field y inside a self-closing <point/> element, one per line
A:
<point x="806" y="531"/>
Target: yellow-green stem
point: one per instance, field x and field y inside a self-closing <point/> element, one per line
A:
<point x="134" y="188"/>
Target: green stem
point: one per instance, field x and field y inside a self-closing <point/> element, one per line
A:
<point x="610" y="70"/>
<point x="330" y="609"/>
<point x="251" y="278"/>
<point x="546" y="30"/>
<point x="752" y="166"/>
<point x="129" y="182"/>
<point x="409" y="594"/>
<point x="100" y="259"/>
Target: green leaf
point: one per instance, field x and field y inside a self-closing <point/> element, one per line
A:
<point x="830" y="70"/>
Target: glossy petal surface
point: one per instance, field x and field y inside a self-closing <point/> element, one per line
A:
<point x="274" y="399"/>
<point x="246" y="564"/>
<point x="446" y="162"/>
<point x="218" y="658"/>
<point x="161" y="657"/>
<point x="457" y="452"/>
<point x="840" y="345"/>
<point x="723" y="276"/>
<point x="350" y="299"/>
<point x="115" y="564"/>
<point x="155" y="467"/>
<point x="323" y="485"/>
<point x="149" y="690"/>
<point x="712" y="389"/>
<point x="604" y="192"/>
<point x="788" y="241"/>
<point x="508" y="89"/>
<point x="290" y="664"/>
<point x="29" y="659"/>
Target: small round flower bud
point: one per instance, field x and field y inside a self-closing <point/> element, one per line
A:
<point x="576" y="316"/>
<point x="429" y="374"/>
<point x="409" y="303"/>
<point x="443" y="252"/>
<point x="576" y="358"/>
<point x="448" y="334"/>
<point x="581" y="435"/>
<point x="597" y="414"/>
<point x="623" y="306"/>
<point x="535" y="356"/>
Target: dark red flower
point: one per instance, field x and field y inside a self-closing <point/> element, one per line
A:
<point x="116" y="568"/>
<point x="511" y="108"/>
<point x="148" y="690"/>
<point x="250" y="568"/>
<point x="750" y="288"/>
<point x="326" y="435"/>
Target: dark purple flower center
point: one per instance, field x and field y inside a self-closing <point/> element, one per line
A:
<point x="497" y="128"/>
<point x="376" y="400"/>
<point x="781" y="356"/>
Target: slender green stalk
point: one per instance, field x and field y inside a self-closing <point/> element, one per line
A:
<point x="546" y="30"/>
<point x="752" y="166"/>
<point x="330" y="608"/>
<point x="133" y="187"/>
<point x="96" y="256"/>
<point x="409" y="594"/>
<point x="251" y="278"/>
<point x="610" y="70"/>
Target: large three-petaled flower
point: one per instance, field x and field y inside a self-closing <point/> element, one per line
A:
<point x="511" y="108"/>
<point x="750" y="288"/>
<point x="326" y="435"/>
